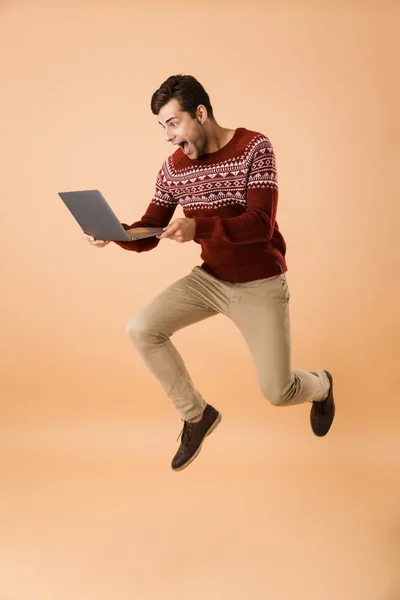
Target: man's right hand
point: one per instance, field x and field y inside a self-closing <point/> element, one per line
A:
<point x="93" y="242"/>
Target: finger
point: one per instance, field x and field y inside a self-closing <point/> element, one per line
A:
<point x="166" y="234"/>
<point x="172" y="229"/>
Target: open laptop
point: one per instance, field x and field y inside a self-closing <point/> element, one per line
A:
<point x="95" y="216"/>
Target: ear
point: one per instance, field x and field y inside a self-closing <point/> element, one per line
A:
<point x="201" y="114"/>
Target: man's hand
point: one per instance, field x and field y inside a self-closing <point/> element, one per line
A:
<point x="93" y="242"/>
<point x="180" y="230"/>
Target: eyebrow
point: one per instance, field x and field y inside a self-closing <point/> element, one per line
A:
<point x="168" y="120"/>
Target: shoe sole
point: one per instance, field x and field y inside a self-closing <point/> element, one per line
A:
<point x="210" y="430"/>
<point x="330" y="377"/>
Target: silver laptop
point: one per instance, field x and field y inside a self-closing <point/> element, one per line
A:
<point x="95" y="216"/>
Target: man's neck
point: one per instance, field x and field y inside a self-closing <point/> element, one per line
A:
<point x="217" y="137"/>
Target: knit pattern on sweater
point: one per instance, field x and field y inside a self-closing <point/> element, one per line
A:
<point x="221" y="184"/>
<point x="232" y="194"/>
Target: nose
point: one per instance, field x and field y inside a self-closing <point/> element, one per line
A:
<point x="168" y="135"/>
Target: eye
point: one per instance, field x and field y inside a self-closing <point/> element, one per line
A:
<point x="174" y="125"/>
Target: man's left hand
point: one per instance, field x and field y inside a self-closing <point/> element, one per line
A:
<point x="180" y="230"/>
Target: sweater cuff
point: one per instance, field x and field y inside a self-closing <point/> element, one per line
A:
<point x="204" y="227"/>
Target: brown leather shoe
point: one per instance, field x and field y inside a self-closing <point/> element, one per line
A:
<point x="323" y="412"/>
<point x="192" y="437"/>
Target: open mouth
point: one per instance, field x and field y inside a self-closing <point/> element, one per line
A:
<point x="185" y="147"/>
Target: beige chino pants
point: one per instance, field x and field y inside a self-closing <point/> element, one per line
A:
<point x="260" y="309"/>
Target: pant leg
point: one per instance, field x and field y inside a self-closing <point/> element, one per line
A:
<point x="261" y="312"/>
<point x="187" y="301"/>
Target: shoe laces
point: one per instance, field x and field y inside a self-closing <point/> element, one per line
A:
<point x="185" y="433"/>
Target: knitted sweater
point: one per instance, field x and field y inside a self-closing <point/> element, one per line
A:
<point x="232" y="194"/>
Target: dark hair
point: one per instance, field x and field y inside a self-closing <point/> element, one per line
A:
<point x="187" y="90"/>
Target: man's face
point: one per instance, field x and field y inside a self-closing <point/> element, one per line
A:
<point x="180" y="128"/>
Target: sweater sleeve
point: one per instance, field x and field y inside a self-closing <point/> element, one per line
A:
<point x="257" y="223"/>
<point x="158" y="214"/>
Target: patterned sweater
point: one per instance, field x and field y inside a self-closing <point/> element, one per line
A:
<point x="233" y="195"/>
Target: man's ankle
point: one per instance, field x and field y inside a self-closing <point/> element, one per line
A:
<point x="196" y="419"/>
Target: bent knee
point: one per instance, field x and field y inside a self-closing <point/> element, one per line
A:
<point x="136" y="328"/>
<point x="275" y="396"/>
<point x="132" y="326"/>
<point x="141" y="331"/>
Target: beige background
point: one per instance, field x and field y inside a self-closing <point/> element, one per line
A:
<point x="89" y="508"/>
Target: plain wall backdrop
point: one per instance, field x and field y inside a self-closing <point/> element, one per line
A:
<point x="76" y="89"/>
<point x="321" y="81"/>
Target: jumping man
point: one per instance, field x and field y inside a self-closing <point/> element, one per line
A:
<point x="226" y="182"/>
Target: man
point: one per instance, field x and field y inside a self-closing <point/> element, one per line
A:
<point x="226" y="182"/>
